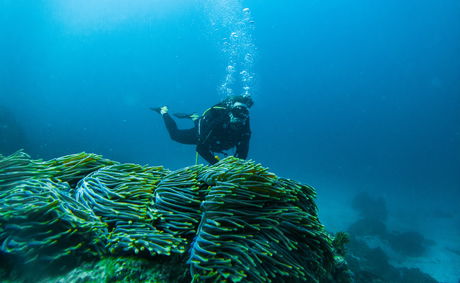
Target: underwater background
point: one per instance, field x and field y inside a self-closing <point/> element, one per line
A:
<point x="358" y="99"/>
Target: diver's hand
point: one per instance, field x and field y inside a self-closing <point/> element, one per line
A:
<point x="164" y="110"/>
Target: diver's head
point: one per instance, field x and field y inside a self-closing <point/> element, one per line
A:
<point x="238" y="107"/>
<point x="239" y="115"/>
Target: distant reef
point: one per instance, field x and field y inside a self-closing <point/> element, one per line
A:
<point x="372" y="244"/>
<point x="83" y="218"/>
<point x="11" y="134"/>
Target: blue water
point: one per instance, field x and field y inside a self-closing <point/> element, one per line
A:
<point x="349" y="96"/>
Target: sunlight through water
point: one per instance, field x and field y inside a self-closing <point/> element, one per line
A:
<point x="84" y="15"/>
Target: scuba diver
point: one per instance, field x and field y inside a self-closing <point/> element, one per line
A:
<point x="221" y="127"/>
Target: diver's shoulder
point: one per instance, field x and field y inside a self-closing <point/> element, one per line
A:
<point x="216" y="110"/>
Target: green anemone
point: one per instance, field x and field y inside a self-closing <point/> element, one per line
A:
<point x="233" y="221"/>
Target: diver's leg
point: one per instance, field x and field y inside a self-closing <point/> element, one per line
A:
<point x="188" y="136"/>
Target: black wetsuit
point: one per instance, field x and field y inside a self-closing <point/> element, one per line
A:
<point x="212" y="133"/>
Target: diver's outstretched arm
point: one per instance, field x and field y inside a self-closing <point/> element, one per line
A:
<point x="204" y="151"/>
<point x="242" y="148"/>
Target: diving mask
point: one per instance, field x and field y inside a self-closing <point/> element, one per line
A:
<point x="239" y="113"/>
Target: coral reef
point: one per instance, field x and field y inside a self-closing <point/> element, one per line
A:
<point x="372" y="264"/>
<point x="372" y="223"/>
<point x="340" y="241"/>
<point x="19" y="167"/>
<point x="411" y="243"/>
<point x="42" y="223"/>
<point x="233" y="221"/>
<point x="122" y="269"/>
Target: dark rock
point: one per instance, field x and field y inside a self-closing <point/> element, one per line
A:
<point x="368" y="227"/>
<point x="370" y="207"/>
<point x="372" y="265"/>
<point x="411" y="244"/>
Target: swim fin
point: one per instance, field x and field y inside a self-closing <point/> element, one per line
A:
<point x="192" y="116"/>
